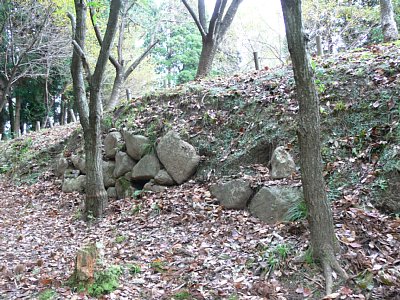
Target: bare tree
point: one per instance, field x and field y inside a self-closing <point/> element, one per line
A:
<point x="389" y="27"/>
<point x="122" y="69"/>
<point x="212" y="33"/>
<point x="91" y="113"/>
<point x="29" y="40"/>
<point x="323" y="240"/>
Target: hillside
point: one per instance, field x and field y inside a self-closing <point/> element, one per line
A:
<point x="180" y="244"/>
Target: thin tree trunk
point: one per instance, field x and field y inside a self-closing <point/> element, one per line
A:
<point x="17" y="128"/>
<point x="207" y="55"/>
<point x="323" y="240"/>
<point x="116" y="89"/>
<point x="11" y="115"/>
<point x="2" y="125"/>
<point x="388" y="23"/>
<point x="46" y="102"/>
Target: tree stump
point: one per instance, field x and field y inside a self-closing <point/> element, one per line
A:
<point x="85" y="264"/>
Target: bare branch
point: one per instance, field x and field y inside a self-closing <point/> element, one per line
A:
<point x="134" y="65"/>
<point x="216" y="17"/>
<point x="82" y="55"/>
<point x="228" y="18"/>
<point x="97" y="32"/>
<point x="196" y="20"/>
<point x="202" y="14"/>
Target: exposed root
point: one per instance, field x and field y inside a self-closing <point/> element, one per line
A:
<point x="328" y="276"/>
<point x="328" y="265"/>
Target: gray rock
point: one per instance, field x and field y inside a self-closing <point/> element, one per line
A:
<point x="151" y="186"/>
<point x="233" y="194"/>
<point x="76" y="184"/>
<point x="123" y="188"/>
<point x="71" y="173"/>
<point x="112" y="143"/>
<point x="123" y="164"/>
<point x="136" y="145"/>
<point x="163" y="178"/>
<point x="178" y="157"/>
<point x="62" y="165"/>
<point x="282" y="163"/>
<point x="271" y="204"/>
<point x="108" y="171"/>
<point x="147" y="168"/>
<point x="79" y="163"/>
<point x="112" y="192"/>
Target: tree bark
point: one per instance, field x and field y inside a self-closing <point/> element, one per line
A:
<point x="17" y="128"/>
<point x="388" y="23"/>
<point x="323" y="240"/>
<point x="91" y="114"/>
<point x="11" y="115"/>
<point x="208" y="51"/>
<point x="213" y="32"/>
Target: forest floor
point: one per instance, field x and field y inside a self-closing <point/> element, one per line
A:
<point x="180" y="244"/>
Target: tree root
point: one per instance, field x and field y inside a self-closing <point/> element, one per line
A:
<point x="329" y="264"/>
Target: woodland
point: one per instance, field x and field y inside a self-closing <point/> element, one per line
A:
<point x="130" y="129"/>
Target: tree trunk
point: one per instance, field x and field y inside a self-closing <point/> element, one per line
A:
<point x="323" y="240"/>
<point x="4" y="95"/>
<point x="208" y="51"/>
<point x="11" y="115"/>
<point x="2" y="125"/>
<point x="91" y="114"/>
<point x="116" y="89"/>
<point x="389" y="27"/>
<point x="63" y="105"/>
<point x="17" y="128"/>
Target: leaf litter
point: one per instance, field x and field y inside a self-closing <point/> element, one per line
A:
<point x="181" y="240"/>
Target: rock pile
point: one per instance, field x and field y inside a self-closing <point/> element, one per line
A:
<point x="131" y="161"/>
<point x="270" y="204"/>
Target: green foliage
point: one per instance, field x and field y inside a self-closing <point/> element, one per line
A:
<point x="47" y="295"/>
<point x="134" y="269"/>
<point x="178" y="53"/>
<point x="272" y="257"/>
<point x="136" y="208"/>
<point x="182" y="295"/>
<point x="158" y="266"/>
<point x="365" y="280"/>
<point x="105" y="281"/>
<point x="308" y="256"/>
<point x="340" y="106"/>
<point x="120" y="239"/>
<point x="297" y="212"/>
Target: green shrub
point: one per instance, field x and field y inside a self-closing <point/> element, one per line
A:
<point x="47" y="295"/>
<point x="105" y="281"/>
<point x="297" y="212"/>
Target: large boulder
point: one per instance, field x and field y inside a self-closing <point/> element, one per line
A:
<point x="388" y="198"/>
<point x="178" y="157"/>
<point x="136" y="145"/>
<point x="123" y="164"/>
<point x="271" y="204"/>
<point x="233" y="194"/>
<point x="282" y="163"/>
<point x="74" y="184"/>
<point x="163" y="178"/>
<point x="123" y="188"/>
<point x="79" y="163"/>
<point x="112" y="143"/>
<point x="147" y="168"/>
<point x="62" y="165"/>
<point x="108" y="171"/>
